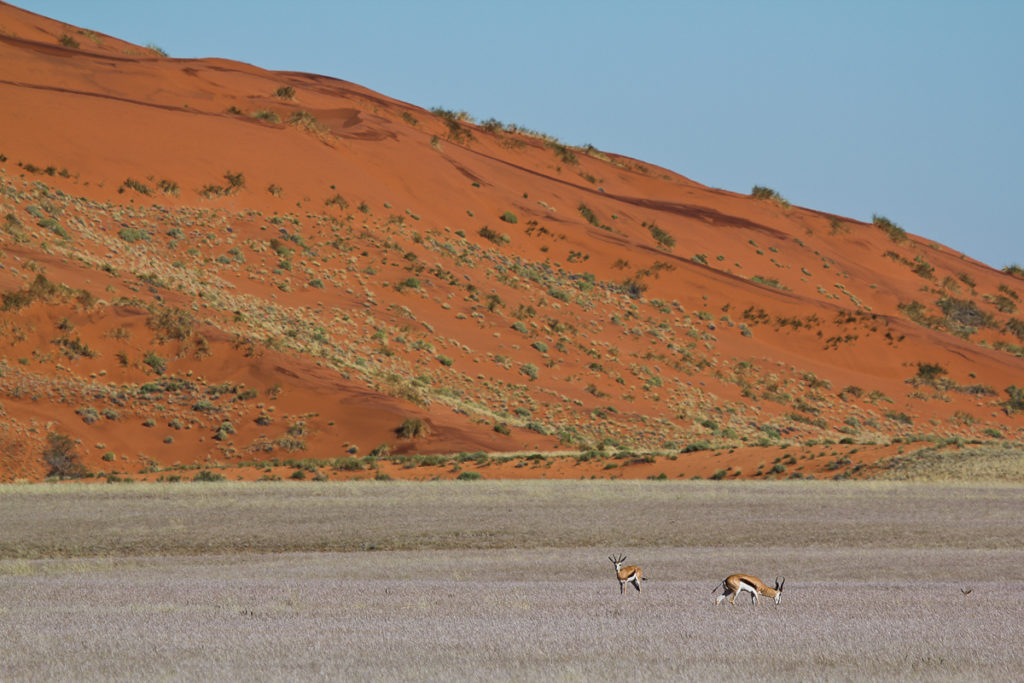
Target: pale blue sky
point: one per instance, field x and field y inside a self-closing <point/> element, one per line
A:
<point x="909" y="109"/>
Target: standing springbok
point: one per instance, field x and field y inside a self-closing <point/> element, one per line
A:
<point x="737" y="583"/>
<point x="631" y="574"/>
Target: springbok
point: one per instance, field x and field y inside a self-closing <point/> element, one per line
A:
<point x="631" y="574"/>
<point x="735" y="584"/>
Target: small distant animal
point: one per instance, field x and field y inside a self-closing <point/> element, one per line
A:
<point x="735" y="584"/>
<point x="631" y="574"/>
<point x="966" y="591"/>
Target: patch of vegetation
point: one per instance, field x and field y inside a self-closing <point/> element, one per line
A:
<point x="453" y="120"/>
<point x="590" y="216"/>
<point x="664" y="240"/>
<point x="769" y="281"/>
<point x="40" y="289"/>
<point x="761" y="192"/>
<point x="895" y="232"/>
<point x="133" y="235"/>
<point x="493" y="236"/>
<point x="172" y="323"/>
<point x="566" y="155"/>
<point x="138" y="186"/>
<point x="155" y="362"/>
<point x="266" y="115"/>
<point x="62" y="457"/>
<point x="928" y="373"/>
<point x="413" y="428"/>
<point x="307" y="122"/>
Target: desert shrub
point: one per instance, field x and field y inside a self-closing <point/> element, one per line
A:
<point x="236" y="181"/>
<point x="285" y="92"/>
<point x="337" y="200"/>
<point x="453" y="120"/>
<point x="929" y="372"/>
<point x="509" y="217"/>
<point x="664" y="240"/>
<point x="895" y="232"/>
<point x="138" y="186"/>
<point x="155" y="362"/>
<point x="15" y="228"/>
<point x="208" y="475"/>
<point x="348" y="464"/>
<point x="204" y="406"/>
<point x="1003" y="303"/>
<point x="964" y="313"/>
<point x="494" y="302"/>
<point x="761" y="192"/>
<point x="899" y="417"/>
<point x="413" y="428"/>
<point x="540" y="346"/>
<point x="306" y="121"/>
<point x="68" y="41"/>
<point x="769" y="281"/>
<point x="266" y="115"/>
<point x="1015" y="401"/>
<point x="60" y="454"/>
<point x="493" y="235"/>
<point x="530" y="370"/>
<point x="556" y="293"/>
<point x="132" y="235"/>
<point x="852" y="391"/>
<point x="1016" y="326"/>
<point x="1014" y="269"/>
<point x="589" y="215"/>
<point x="469" y="476"/>
<point x="562" y="152"/>
<point x="74" y="347"/>
<point x="917" y="311"/>
<point x="923" y="268"/>
<point x="172" y="323"/>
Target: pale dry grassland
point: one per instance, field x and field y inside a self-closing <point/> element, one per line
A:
<point x="509" y="581"/>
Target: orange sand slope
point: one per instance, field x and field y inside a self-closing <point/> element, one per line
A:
<point x="208" y="264"/>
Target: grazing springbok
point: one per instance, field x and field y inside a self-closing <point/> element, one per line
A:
<point x="630" y="574"/>
<point x="737" y="583"/>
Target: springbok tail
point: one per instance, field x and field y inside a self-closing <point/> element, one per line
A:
<point x="717" y="586"/>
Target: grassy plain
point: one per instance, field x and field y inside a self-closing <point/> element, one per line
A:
<point x="508" y="581"/>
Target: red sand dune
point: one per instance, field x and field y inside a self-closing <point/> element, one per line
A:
<point x="236" y="265"/>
